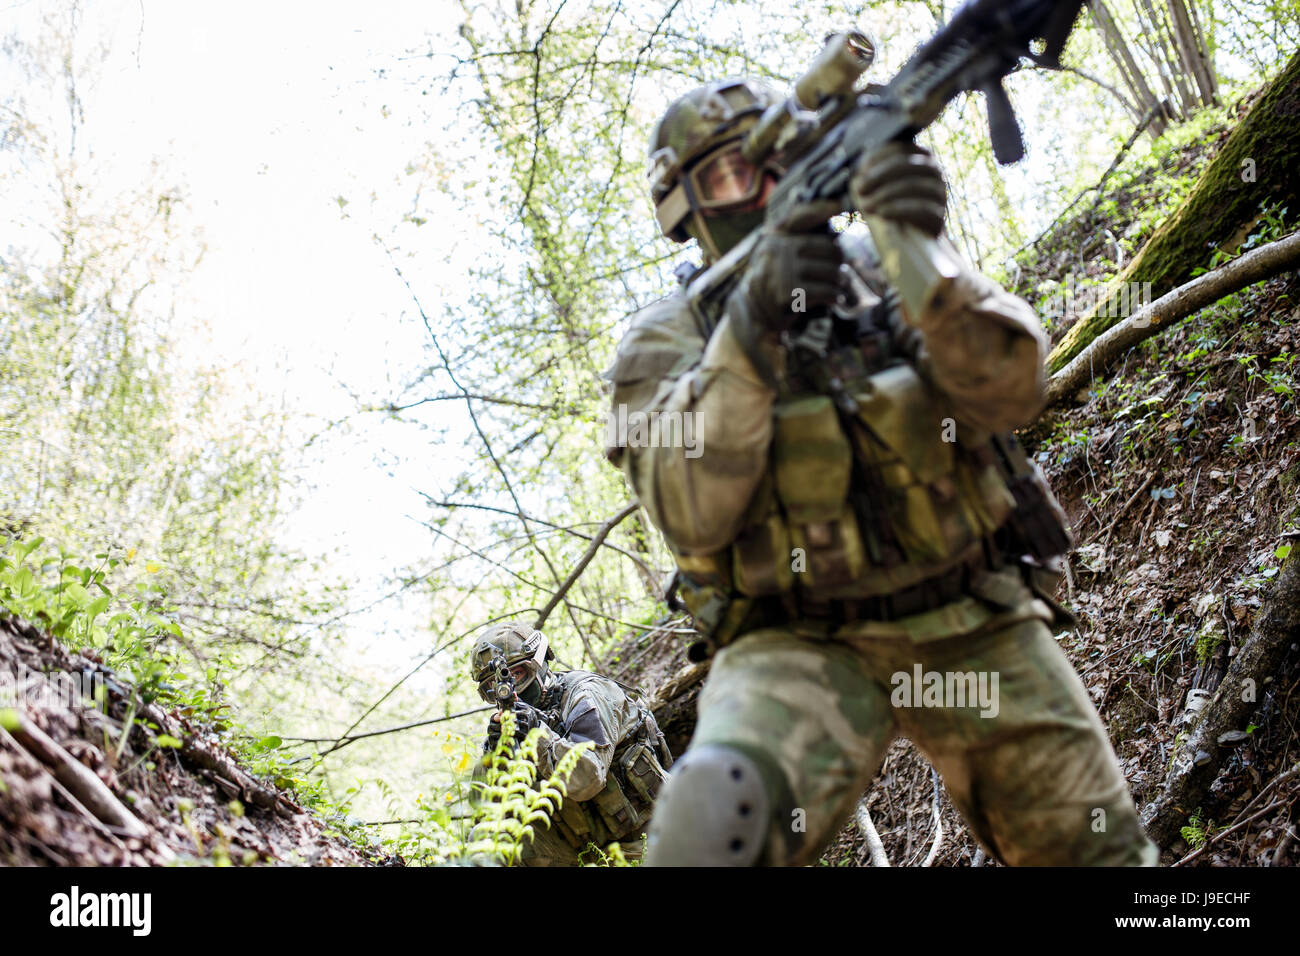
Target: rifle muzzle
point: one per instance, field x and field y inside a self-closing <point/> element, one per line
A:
<point x="843" y="59"/>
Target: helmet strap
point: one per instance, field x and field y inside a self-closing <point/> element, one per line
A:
<point x="699" y="227"/>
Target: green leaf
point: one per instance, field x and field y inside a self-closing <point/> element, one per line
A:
<point x="1283" y="552"/>
<point x="23" y="550"/>
<point x="79" y="595"/>
<point x="10" y="720"/>
<point x="163" y="740"/>
<point x="168" y="625"/>
<point x="270" y="743"/>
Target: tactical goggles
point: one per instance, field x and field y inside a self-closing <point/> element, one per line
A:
<point x="723" y="178"/>
<point x="720" y="180"/>
<point x="523" y="671"/>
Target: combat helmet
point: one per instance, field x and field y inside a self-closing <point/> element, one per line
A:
<point x="520" y="646"/>
<point x="695" y="161"/>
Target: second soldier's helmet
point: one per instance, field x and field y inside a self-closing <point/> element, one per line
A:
<point x="521" y="647"/>
<point x="695" y="161"/>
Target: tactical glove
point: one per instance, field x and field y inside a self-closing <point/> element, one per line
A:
<point x="526" y="718"/>
<point x="901" y="182"/>
<point x="792" y="270"/>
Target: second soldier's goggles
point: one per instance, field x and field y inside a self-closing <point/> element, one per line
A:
<point x="522" y="672"/>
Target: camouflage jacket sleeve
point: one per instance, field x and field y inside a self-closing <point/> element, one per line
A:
<point x="985" y="349"/>
<point x="594" y="711"/>
<point x="690" y="423"/>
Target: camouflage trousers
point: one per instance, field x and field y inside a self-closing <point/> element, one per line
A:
<point x="1028" y="765"/>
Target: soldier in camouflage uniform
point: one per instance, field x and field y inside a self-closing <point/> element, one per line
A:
<point x="613" y="786"/>
<point x="853" y="514"/>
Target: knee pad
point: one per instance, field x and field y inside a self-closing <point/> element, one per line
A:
<point x="713" y="810"/>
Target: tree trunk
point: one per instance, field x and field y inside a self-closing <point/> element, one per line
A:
<point x="1119" y="51"/>
<point x="1192" y="52"/>
<point x="1197" y="762"/>
<point x="1164" y="51"/>
<point x="1255" y="167"/>
<point x="1203" y="42"/>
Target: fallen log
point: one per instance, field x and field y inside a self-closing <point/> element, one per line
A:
<point x="1200" y="756"/>
<point x="1255" y="266"/>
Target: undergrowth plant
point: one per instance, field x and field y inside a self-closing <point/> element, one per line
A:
<point x="1198" y="830"/>
<point x="509" y="800"/>
<point x="488" y="818"/>
<point x="133" y="631"/>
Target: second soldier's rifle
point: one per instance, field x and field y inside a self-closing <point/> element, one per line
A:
<point x="827" y="126"/>
<point x="505" y="696"/>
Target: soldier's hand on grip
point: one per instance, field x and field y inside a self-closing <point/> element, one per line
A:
<point x="901" y="182"/>
<point x="493" y="731"/>
<point x="792" y="271"/>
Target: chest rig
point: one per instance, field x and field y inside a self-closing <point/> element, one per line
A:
<point x="637" y="771"/>
<point x="877" y="503"/>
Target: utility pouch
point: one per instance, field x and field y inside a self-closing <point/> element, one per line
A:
<point x="813" y="463"/>
<point x="574" y="825"/>
<point x="716" y="613"/>
<point x="1038" y="524"/>
<point x="642" y="771"/>
<point x="813" y="460"/>
<point x="903" y="443"/>
<point x="655" y="737"/>
<point x="615" y="809"/>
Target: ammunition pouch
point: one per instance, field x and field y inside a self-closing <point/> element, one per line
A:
<point x="635" y="776"/>
<point x="877" y="505"/>
<point x="1038" y="525"/>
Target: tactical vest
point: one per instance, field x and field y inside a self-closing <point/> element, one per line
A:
<point x="877" y="503"/>
<point x="637" y="771"/>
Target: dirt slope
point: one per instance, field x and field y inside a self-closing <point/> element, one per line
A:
<point x="191" y="814"/>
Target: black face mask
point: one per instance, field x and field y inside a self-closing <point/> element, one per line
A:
<point x="532" y="694"/>
<point x="726" y="231"/>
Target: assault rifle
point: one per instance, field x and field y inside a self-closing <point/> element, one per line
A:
<point x="827" y="126"/>
<point x="505" y="697"/>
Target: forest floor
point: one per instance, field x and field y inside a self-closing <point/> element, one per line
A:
<point x="194" y="815"/>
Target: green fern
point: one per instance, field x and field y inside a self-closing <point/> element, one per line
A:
<point x="511" y="802"/>
<point x="612" y="855"/>
<point x="1198" y="831"/>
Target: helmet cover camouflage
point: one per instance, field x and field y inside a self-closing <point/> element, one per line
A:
<point x="520" y="645"/>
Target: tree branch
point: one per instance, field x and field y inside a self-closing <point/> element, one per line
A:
<point x="1246" y="270"/>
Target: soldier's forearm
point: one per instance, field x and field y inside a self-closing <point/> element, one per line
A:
<point x="588" y="777"/>
<point x="982" y="346"/>
<point x="986" y="351"/>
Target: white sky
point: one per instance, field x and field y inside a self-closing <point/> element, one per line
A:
<point x="264" y="113"/>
